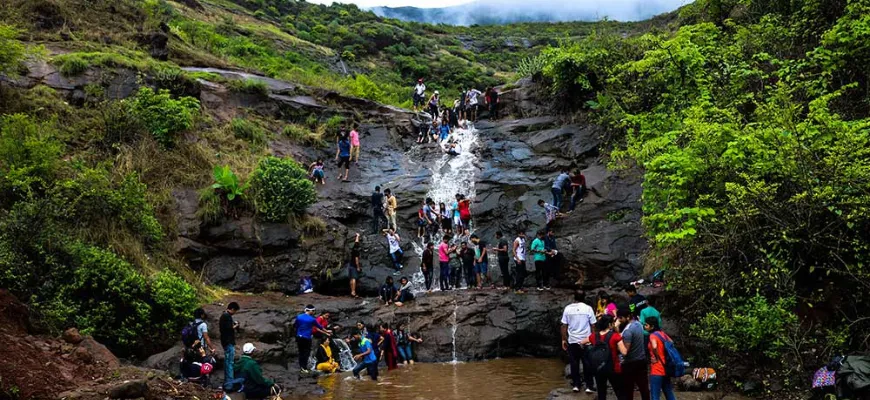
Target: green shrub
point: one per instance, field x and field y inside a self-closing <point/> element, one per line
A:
<point x="334" y="122"/>
<point x="164" y="116"/>
<point x="248" y="131"/>
<point x="303" y="135"/>
<point x="227" y="183"/>
<point x="749" y="326"/>
<point x="12" y="51"/>
<point x="280" y="188"/>
<point x="72" y="64"/>
<point x="252" y="86"/>
<point x="362" y="86"/>
<point x="29" y="153"/>
<point x="174" y="300"/>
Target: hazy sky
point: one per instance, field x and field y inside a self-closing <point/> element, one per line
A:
<point x="396" y="3"/>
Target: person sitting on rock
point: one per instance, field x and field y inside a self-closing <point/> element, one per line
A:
<point x="256" y="386"/>
<point x="388" y="291"/>
<point x="325" y="362"/>
<point x="193" y="363"/>
<point x="404" y="295"/>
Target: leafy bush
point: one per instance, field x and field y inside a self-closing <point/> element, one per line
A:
<point x="362" y="86"/>
<point x="174" y="300"/>
<point x="249" y="131"/>
<point x="164" y="116"/>
<point x="280" y="188"/>
<point x="12" y="51"/>
<point x="334" y="122"/>
<point x="749" y="326"/>
<point x="72" y="64"/>
<point x="303" y="135"/>
<point x="227" y="183"/>
<point x="29" y="154"/>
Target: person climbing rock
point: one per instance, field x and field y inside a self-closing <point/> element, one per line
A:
<point x="519" y="252"/>
<point x="419" y="95"/>
<point x="578" y="189"/>
<point x="503" y="258"/>
<point x="228" y="327"/>
<point x="559" y="184"/>
<point x="342" y="155"/>
<point x="378" y="210"/>
<point x="354" y="146"/>
<point x="539" y="255"/>
<point x="255" y="385"/>
<point x="394" y="245"/>
<point x="305" y="324"/>
<point x="366" y="359"/>
<point x="316" y="173"/>
<point x="427" y="264"/>
<point x="577" y="321"/>
<point x="354" y="267"/>
<point x="551" y="212"/>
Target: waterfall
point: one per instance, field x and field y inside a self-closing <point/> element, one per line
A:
<point x="453" y="331"/>
<point x="345" y="356"/>
<point x="450" y="175"/>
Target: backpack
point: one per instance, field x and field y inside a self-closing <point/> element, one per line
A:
<point x="674" y="365"/>
<point x="599" y="354"/>
<point x="189" y="334"/>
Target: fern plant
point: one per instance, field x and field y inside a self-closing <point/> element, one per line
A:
<point x="227" y="182"/>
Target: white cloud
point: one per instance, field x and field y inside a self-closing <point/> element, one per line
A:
<point x="396" y="3"/>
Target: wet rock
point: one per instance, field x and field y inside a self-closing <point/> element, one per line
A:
<point x="129" y="390"/>
<point x="72" y="336"/>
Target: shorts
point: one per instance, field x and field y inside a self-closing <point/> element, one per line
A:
<point x="418" y="100"/>
<point x="344" y="160"/>
<point x="446" y="223"/>
<point x="421" y="222"/>
<point x="318" y="173"/>
<point x="352" y="272"/>
<point x="481" y="268"/>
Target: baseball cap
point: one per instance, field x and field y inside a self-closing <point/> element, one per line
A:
<point x="248" y="348"/>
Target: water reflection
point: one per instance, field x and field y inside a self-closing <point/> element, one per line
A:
<point x="514" y="378"/>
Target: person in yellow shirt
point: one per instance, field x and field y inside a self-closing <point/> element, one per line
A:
<point x="391" y="210"/>
<point x="325" y="362"/>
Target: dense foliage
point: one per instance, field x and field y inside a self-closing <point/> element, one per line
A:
<point x="751" y="123"/>
<point x="281" y="188"/>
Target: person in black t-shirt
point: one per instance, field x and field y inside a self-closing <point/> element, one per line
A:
<point x="466" y="254"/>
<point x="228" y="341"/>
<point x="377" y="210"/>
<point x="502" y="252"/>
<point x="354" y="268"/>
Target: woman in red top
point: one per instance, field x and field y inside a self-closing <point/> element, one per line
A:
<point x="604" y="327"/>
<point x="464" y="210"/>
<point x="659" y="381"/>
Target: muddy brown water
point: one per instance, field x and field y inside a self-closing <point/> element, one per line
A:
<point x="511" y="378"/>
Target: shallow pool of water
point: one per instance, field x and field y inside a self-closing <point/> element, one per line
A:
<point x="513" y="378"/>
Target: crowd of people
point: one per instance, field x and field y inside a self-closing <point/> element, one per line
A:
<point x="618" y="343"/>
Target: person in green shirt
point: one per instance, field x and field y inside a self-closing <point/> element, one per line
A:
<point x="539" y="255"/>
<point x="650" y="312"/>
<point x="256" y="386"/>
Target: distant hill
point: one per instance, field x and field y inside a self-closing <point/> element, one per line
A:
<point x="490" y="12"/>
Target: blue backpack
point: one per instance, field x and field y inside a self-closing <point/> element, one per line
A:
<point x="674" y="364"/>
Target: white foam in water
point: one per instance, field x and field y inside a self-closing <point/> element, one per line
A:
<point x="450" y="175"/>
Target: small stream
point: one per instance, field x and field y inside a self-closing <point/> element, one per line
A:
<point x="510" y="378"/>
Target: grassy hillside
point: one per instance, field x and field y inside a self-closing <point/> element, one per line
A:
<point x="752" y="124"/>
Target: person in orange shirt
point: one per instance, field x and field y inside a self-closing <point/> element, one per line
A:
<point x="659" y="381"/>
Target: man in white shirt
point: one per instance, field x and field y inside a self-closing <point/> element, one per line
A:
<point x="519" y="250"/>
<point x="577" y="321"/>
<point x="471" y="99"/>
<point x="419" y="94"/>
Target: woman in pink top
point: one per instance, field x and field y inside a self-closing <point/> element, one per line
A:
<point x="354" y="146"/>
<point x="444" y="251"/>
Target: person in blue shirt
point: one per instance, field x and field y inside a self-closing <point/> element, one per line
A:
<point x="305" y="325"/>
<point x="342" y="154"/>
<point x="445" y="130"/>
<point x="367" y="358"/>
<point x="559" y="184"/>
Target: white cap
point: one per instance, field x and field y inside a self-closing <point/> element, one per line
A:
<point x="248" y="348"/>
<point x="436" y="92"/>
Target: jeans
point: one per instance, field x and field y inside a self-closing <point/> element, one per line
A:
<point x="577" y="354"/>
<point x="427" y="277"/>
<point x="304" y="345"/>
<point x="505" y="271"/>
<point x="659" y="384"/>
<point x="542" y="273"/>
<point x="371" y="367"/>
<point x="397" y="259"/>
<point x="445" y="274"/>
<point x="634" y="374"/>
<point x="377" y="217"/>
<point x="576" y="197"/>
<point x="470" y="277"/>
<point x="229" y="356"/>
<point x="557" y="198"/>
<point x="405" y="352"/>
<point x="615" y="382"/>
<point x="521" y="275"/>
<point x="405" y="295"/>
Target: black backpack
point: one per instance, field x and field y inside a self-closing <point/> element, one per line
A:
<point x="189" y="334"/>
<point x="599" y="354"/>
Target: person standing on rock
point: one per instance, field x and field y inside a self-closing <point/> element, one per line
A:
<point x="466" y="254"/>
<point x="378" y="210"/>
<point x="342" y="155"/>
<point x="354" y="146"/>
<point x="552" y="251"/>
<point x="559" y="184"/>
<point x="491" y="100"/>
<point x="427" y="264"/>
<point x="419" y="96"/>
<point x="577" y="321"/>
<point x="481" y="261"/>
<point x="228" y="340"/>
<point x="199" y="320"/>
<point x="539" y="255"/>
<point x="392" y="204"/>
<point x="659" y="379"/>
<point x="305" y="324"/>
<point x="519" y="251"/>
<point x="634" y="363"/>
<point x="464" y="205"/>
<point x="354" y="267"/>
<point x="434" y="100"/>
<point x="472" y="99"/>
<point x="444" y="250"/>
<point x="446" y="218"/>
<point x="636" y="301"/>
<point x="396" y="253"/>
<point x="503" y="258"/>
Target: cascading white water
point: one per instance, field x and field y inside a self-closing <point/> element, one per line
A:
<point x="453" y="331"/>
<point x="345" y="356"/>
<point x="450" y="175"/>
